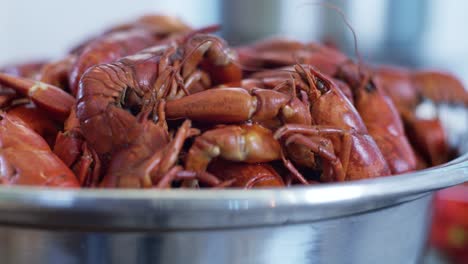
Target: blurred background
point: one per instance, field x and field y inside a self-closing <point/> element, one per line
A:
<point x="417" y="33"/>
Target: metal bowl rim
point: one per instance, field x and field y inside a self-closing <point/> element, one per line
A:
<point x="449" y="174"/>
<point x="202" y="209"/>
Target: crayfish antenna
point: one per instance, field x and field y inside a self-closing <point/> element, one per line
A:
<point x="348" y="25"/>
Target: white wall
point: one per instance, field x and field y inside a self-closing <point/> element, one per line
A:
<point x="48" y="28"/>
<point x="445" y="45"/>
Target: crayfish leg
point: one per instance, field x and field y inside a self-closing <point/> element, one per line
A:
<point x="177" y="173"/>
<point x="324" y="148"/>
<point x="171" y="153"/>
<point x="288" y="164"/>
<point x="54" y="100"/>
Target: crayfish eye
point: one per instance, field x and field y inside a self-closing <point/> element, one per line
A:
<point x="370" y="87"/>
<point x="321" y="86"/>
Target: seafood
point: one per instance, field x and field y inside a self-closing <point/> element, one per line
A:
<point x="56" y="102"/>
<point x="53" y="73"/>
<point x="37" y="120"/>
<point x="277" y="75"/>
<point x="153" y="23"/>
<point x="127" y="39"/>
<point x="337" y="126"/>
<point x="408" y="89"/>
<point x="245" y="175"/>
<point x="27" y="70"/>
<point x="397" y="84"/>
<point x="148" y="159"/>
<point x="279" y="52"/>
<point x="440" y="87"/>
<point x="429" y="138"/>
<point x="381" y="119"/>
<point x="235" y="105"/>
<point x="245" y="143"/>
<point x="108" y="49"/>
<point x="232" y="105"/>
<point x="57" y="73"/>
<point x="388" y="132"/>
<point x="71" y="147"/>
<point x="113" y="45"/>
<point x="267" y="107"/>
<point x="139" y="82"/>
<point x="154" y="103"/>
<point x="26" y="159"/>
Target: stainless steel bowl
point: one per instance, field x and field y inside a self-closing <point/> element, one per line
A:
<point x="369" y="221"/>
<point x="382" y="220"/>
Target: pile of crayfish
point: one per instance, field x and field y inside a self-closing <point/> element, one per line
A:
<point x="156" y="103"/>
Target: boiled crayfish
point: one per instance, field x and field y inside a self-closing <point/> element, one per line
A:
<point x="155" y="103"/>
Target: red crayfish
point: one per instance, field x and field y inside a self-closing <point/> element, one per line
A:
<point x="154" y="103"/>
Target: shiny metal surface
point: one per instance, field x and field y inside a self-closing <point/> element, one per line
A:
<point x="200" y="209"/>
<point x="392" y="235"/>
